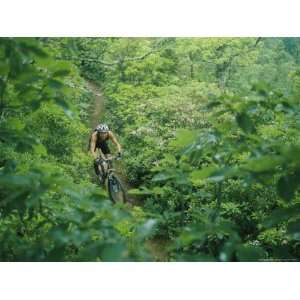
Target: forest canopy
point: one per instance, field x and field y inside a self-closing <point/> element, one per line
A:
<point x="210" y="132"/>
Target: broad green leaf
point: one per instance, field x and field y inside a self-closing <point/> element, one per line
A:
<point x="162" y="177"/>
<point x="287" y="186"/>
<point x="184" y="137"/>
<point x="59" y="233"/>
<point x="282" y="214"/>
<point x="61" y="73"/>
<point x="292" y="153"/>
<point x="197" y="176"/>
<point x="146" y="229"/>
<point x="31" y="45"/>
<point x="261" y="87"/>
<point x="55" y="84"/>
<point x="138" y="192"/>
<point x="157" y="190"/>
<point x="40" y="149"/>
<point x="263" y="164"/>
<point x="65" y="106"/>
<point x="114" y="252"/>
<point x="213" y="104"/>
<point x="227" y="252"/>
<point x="217" y="176"/>
<point x="15" y="124"/>
<point x="15" y="180"/>
<point x="199" y="257"/>
<point x="293" y="229"/>
<point x="2" y="85"/>
<point x="213" y="173"/>
<point x="250" y="253"/>
<point x="4" y="68"/>
<point x="245" y="122"/>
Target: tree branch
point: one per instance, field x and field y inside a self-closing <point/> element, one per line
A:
<point x="157" y="47"/>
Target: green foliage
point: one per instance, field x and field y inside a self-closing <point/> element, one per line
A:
<point x="50" y="210"/>
<point x="210" y="131"/>
<point x="215" y="140"/>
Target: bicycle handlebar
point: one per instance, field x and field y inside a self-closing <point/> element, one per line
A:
<point x="113" y="157"/>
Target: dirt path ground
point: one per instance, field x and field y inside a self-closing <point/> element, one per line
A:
<point x="99" y="104"/>
<point x="156" y="247"/>
<point x="97" y="114"/>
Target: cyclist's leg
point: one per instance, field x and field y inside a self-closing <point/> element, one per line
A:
<point x="103" y="168"/>
<point x="99" y="170"/>
<point x="96" y="164"/>
<point x="106" y="152"/>
<point x="96" y="168"/>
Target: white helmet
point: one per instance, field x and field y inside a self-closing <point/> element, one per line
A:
<point x="102" y="128"/>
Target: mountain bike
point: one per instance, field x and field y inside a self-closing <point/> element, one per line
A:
<point x="108" y="176"/>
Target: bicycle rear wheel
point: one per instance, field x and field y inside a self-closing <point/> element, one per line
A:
<point x="116" y="190"/>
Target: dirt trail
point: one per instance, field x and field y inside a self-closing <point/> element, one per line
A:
<point x="98" y="108"/>
<point x="97" y="113"/>
<point x="156" y="247"/>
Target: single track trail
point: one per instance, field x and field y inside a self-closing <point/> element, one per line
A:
<point x="156" y="247"/>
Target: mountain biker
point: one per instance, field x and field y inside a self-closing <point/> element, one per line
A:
<point x="99" y="139"/>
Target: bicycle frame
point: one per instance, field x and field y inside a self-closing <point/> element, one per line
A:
<point x="109" y="174"/>
<point x="110" y="170"/>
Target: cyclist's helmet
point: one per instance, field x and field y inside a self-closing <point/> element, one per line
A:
<point x="102" y="128"/>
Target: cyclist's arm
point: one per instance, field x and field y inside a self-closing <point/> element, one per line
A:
<point x="114" y="140"/>
<point x="93" y="145"/>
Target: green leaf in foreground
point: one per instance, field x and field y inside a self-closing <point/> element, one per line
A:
<point x="162" y="177"/>
<point x="61" y="73"/>
<point x="114" y="252"/>
<point x="281" y="215"/>
<point x="139" y="192"/>
<point x="263" y="164"/>
<point x="40" y="149"/>
<point x="244" y="122"/>
<point x="287" y="185"/>
<point x="198" y="175"/>
<point x="147" y="228"/>
<point x="184" y="137"/>
<point x="213" y="173"/>
<point x="293" y="229"/>
<point x="250" y="253"/>
<point x="201" y="257"/>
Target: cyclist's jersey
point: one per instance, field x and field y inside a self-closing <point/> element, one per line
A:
<point x="102" y="144"/>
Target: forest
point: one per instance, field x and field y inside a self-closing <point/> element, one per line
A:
<point x="209" y="129"/>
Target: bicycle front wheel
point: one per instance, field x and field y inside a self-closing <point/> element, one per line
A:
<point x="116" y="190"/>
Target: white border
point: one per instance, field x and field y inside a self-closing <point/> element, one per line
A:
<point x="149" y="18"/>
<point x="149" y="281"/>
